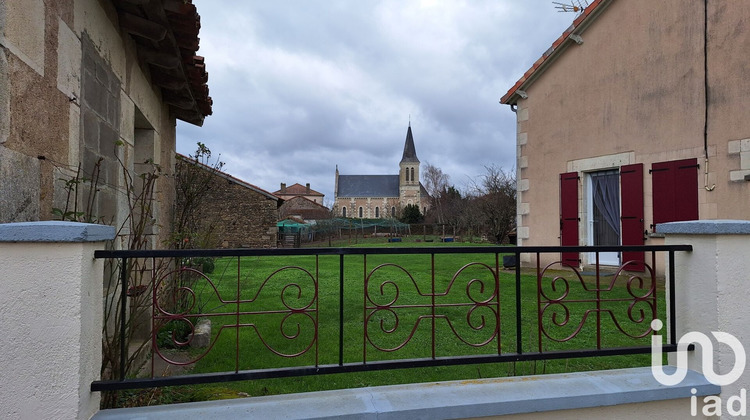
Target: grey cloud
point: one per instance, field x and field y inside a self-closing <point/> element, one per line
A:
<point x="301" y="85"/>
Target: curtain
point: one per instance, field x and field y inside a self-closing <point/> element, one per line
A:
<point x="606" y="194"/>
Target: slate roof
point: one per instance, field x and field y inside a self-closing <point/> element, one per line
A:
<point x="410" y="152"/>
<point x="368" y="186"/>
<point x="579" y="25"/>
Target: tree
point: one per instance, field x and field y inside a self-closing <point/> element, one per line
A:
<point x="452" y="205"/>
<point x="195" y="176"/>
<point x="411" y="214"/>
<point x="436" y="183"/>
<point x="496" y="200"/>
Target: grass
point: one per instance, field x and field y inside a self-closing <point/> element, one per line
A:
<point x="264" y="289"/>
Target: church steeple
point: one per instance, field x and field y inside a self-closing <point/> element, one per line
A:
<point x="410" y="153"/>
<point x="409" y="186"/>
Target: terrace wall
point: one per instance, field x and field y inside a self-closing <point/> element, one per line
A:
<point x="52" y="318"/>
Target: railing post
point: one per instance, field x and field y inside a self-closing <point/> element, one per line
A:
<point x="519" y="337"/>
<point x="51" y="300"/>
<point x="711" y="291"/>
<point x="123" y="315"/>
<point x="341" y="310"/>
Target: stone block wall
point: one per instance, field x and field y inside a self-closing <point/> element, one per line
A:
<point x="236" y="214"/>
<point x="100" y="128"/>
<point x="72" y="92"/>
<point x="243" y="217"/>
<point x="304" y="208"/>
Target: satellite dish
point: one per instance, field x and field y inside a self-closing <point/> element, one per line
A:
<point x="575" y="6"/>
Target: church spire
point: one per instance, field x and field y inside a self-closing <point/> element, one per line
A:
<point x="410" y="153"/>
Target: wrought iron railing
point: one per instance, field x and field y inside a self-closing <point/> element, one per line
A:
<point x="488" y="313"/>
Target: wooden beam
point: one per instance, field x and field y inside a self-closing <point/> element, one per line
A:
<point x="160" y="59"/>
<point x="179" y="6"/>
<point x="135" y="2"/>
<point x="137" y="25"/>
<point x="178" y="99"/>
<point x="163" y="80"/>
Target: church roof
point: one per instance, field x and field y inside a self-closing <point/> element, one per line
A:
<point x="368" y="186"/>
<point x="410" y="153"/>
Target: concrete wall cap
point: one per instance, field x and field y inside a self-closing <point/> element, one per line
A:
<point x="454" y="399"/>
<point x="55" y="231"/>
<point x="706" y="227"/>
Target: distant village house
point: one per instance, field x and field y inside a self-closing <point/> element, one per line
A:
<point x="297" y="190"/>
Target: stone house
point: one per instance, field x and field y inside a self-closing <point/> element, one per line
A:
<point x="238" y="214"/>
<point x="297" y="190"/>
<point x="90" y="89"/>
<point x="618" y="120"/>
<point x="304" y="209"/>
<point x="382" y="196"/>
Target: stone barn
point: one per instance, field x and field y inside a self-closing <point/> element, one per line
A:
<point x="237" y="214"/>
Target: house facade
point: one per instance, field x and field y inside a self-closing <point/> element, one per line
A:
<point x="382" y="196"/>
<point x="634" y="117"/>
<point x="232" y="213"/>
<point x="91" y="90"/>
<point x="297" y="190"/>
<point x="304" y="209"/>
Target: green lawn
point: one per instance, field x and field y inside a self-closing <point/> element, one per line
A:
<point x="292" y="334"/>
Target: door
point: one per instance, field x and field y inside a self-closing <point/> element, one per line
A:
<point x="604" y="214"/>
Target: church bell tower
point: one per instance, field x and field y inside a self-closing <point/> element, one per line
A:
<point x="409" y="186"/>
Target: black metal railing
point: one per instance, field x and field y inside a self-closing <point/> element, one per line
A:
<point x="454" y="306"/>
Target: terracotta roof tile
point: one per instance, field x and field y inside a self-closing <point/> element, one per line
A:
<point x="183" y="82"/>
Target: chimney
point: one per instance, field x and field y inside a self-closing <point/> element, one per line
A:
<point x="307" y="188"/>
<point x="283" y="188"/>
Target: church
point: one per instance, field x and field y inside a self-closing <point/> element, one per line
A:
<point x="382" y="196"/>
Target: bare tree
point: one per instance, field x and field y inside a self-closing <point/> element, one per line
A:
<point x="436" y="183"/>
<point x="496" y="200"/>
<point x="195" y="177"/>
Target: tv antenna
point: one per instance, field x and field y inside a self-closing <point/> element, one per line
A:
<point x="575" y="6"/>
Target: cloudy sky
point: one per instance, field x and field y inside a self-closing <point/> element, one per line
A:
<point x="300" y="86"/>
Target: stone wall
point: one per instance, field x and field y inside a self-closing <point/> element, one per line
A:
<point x="72" y="92"/>
<point x="236" y="214"/>
<point x="304" y="208"/>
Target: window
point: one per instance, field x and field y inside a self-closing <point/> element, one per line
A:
<point x="615" y="214"/>
<point x="412" y="174"/>
<point x="377" y="212"/>
<point x="360" y="212"/>
<point x="343" y="212"/>
<point x="675" y="191"/>
<point x="393" y="211"/>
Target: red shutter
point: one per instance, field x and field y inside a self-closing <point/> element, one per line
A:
<point x="675" y="191"/>
<point x="569" y="216"/>
<point x="631" y="215"/>
<point x="686" y="190"/>
<point x="662" y="186"/>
